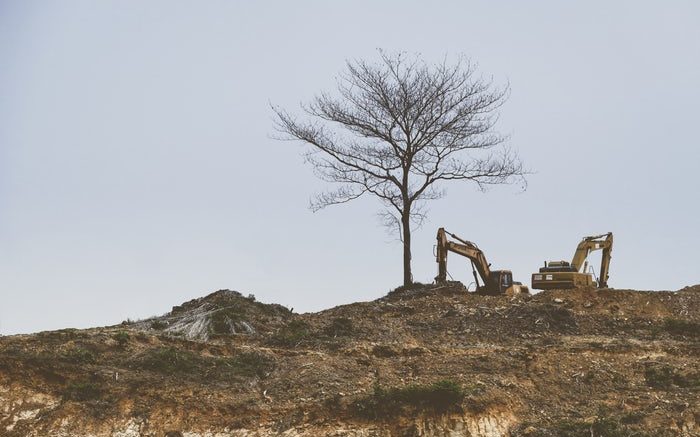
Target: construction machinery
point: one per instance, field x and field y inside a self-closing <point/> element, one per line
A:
<point x="494" y="281"/>
<point x="565" y="275"/>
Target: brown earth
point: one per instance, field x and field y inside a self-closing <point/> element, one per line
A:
<point x="426" y="361"/>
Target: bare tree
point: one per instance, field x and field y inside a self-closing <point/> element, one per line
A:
<point x="397" y="129"/>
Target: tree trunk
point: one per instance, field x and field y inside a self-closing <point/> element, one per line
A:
<point x="406" y="230"/>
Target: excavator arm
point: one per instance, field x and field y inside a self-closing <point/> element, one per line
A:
<point x="464" y="248"/>
<point x="605" y="262"/>
<point x="590" y="244"/>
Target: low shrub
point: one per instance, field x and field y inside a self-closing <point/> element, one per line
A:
<point x="664" y="377"/>
<point x="682" y="327"/>
<point x="340" y="327"/>
<point x="384" y="351"/>
<point x="122" y="338"/>
<point x="247" y="364"/>
<point x="632" y="417"/>
<point x="601" y="427"/>
<point x="79" y="355"/>
<point x="63" y="334"/>
<point x="659" y="376"/>
<point x="292" y="334"/>
<point x="172" y="361"/>
<point x="439" y="397"/>
<point x="223" y="321"/>
<point x="159" y="325"/>
<point x="168" y="360"/>
<point x="82" y="391"/>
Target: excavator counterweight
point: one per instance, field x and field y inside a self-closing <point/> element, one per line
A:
<point x="574" y="274"/>
<point x="494" y="281"/>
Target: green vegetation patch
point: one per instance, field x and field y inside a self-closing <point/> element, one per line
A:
<point x="292" y="334"/>
<point x="122" y="338"/>
<point x="340" y="327"/>
<point x="63" y="334"/>
<point x="246" y="364"/>
<point x="601" y="427"/>
<point x="79" y="355"/>
<point x="173" y="361"/>
<point x="682" y="327"/>
<point x="413" y="286"/>
<point x="169" y="360"/>
<point x="384" y="351"/>
<point x="82" y="391"/>
<point x="159" y="325"/>
<point x="665" y="377"/>
<point x="439" y="397"/>
<point x="229" y="298"/>
<point x="224" y="321"/>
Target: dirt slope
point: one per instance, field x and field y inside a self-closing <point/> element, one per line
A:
<point x="429" y="361"/>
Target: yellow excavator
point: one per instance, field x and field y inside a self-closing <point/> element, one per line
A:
<point x="494" y="281"/>
<point x="565" y="275"/>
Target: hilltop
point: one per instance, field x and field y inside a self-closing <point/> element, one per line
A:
<point x="425" y="361"/>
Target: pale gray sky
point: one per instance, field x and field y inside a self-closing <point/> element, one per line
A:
<point x="137" y="169"/>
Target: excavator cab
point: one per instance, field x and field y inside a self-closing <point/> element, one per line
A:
<point x="503" y="281"/>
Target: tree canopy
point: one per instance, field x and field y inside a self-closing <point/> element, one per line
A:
<point x="398" y="129"/>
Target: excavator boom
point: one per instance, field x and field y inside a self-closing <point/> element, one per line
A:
<point x="588" y="245"/>
<point x="494" y="281"/>
<point x="464" y="248"/>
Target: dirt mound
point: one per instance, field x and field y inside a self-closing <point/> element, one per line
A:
<point x="629" y="303"/>
<point x="560" y="362"/>
<point x="223" y="312"/>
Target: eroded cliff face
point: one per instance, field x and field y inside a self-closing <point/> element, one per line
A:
<point x="23" y="412"/>
<point x="433" y="361"/>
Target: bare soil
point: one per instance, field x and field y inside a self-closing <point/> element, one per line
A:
<point x="562" y="362"/>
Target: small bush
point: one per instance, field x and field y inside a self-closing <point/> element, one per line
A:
<point x="63" y="334"/>
<point x="665" y="377"/>
<point x="247" y="364"/>
<point x="224" y="320"/>
<point x="82" y="391"/>
<point x="159" y="325"/>
<point x="682" y="327"/>
<point x="632" y="417"/>
<point x="659" y="376"/>
<point x="220" y="325"/>
<point x="79" y="355"/>
<point x="340" y="327"/>
<point x="292" y="334"/>
<point x="688" y="381"/>
<point x="601" y="427"/>
<point x="439" y="397"/>
<point x="384" y="351"/>
<point x="168" y="360"/>
<point x="185" y="363"/>
<point x="122" y="338"/>
<point x="413" y="286"/>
